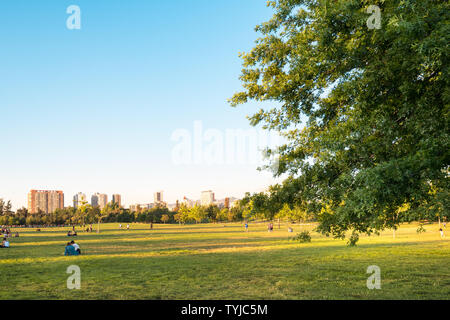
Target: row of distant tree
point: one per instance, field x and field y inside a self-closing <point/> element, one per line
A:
<point x="258" y="206"/>
<point x="87" y="214"/>
<point x="269" y="206"/>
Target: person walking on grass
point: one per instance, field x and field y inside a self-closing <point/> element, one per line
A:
<point x="442" y="233"/>
<point x="120" y="226"/>
<point x="246" y="227"/>
<point x="128" y="226"/>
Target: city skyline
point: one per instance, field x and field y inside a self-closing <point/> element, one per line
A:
<point x="49" y="200"/>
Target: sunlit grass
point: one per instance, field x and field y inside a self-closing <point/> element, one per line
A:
<point x="217" y="261"/>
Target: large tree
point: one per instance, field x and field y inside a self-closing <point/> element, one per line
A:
<point x="365" y="111"/>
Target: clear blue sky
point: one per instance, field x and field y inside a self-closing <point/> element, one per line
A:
<point x="94" y="109"/>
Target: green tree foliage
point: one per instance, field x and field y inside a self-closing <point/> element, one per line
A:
<point x="365" y="112"/>
<point x="197" y="213"/>
<point x="165" y="218"/>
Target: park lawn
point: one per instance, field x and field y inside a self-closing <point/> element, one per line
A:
<point x="222" y="261"/>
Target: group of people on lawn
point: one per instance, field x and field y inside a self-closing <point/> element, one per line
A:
<point x="72" y="249"/>
<point x="6" y="232"/>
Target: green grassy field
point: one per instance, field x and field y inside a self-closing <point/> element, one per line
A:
<point x="217" y="261"/>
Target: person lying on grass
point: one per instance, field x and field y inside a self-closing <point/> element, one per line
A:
<point x="5" y="243"/>
<point x="70" y="250"/>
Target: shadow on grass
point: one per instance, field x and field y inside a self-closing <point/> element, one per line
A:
<point x="253" y="246"/>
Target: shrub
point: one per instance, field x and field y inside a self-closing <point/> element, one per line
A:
<point x="421" y="229"/>
<point x="353" y="239"/>
<point x="303" y="237"/>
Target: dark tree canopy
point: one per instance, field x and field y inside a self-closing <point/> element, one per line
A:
<point x="365" y="111"/>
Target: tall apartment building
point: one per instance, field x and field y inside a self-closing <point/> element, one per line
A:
<point x="158" y="196"/>
<point x="99" y="200"/>
<point x="116" y="198"/>
<point x="79" y="199"/>
<point x="45" y="200"/>
<point x="207" y="198"/>
<point x="226" y="203"/>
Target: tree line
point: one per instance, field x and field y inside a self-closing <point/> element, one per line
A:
<point x="252" y="207"/>
<point x="88" y="214"/>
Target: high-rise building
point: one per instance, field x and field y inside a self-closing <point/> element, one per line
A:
<point x="158" y="196"/>
<point x="45" y="200"/>
<point x="79" y="199"/>
<point x="99" y="200"/>
<point x="117" y="199"/>
<point x="207" y="198"/>
<point x="227" y="203"/>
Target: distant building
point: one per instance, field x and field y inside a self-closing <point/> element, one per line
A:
<point x="207" y="198"/>
<point x="158" y="196"/>
<point x="79" y="199"/>
<point x="117" y="199"/>
<point x="141" y="207"/>
<point x="99" y="200"/>
<point x="188" y="202"/>
<point x="227" y="203"/>
<point x="45" y="200"/>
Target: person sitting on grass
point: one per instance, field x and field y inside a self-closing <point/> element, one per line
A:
<point x="70" y="250"/>
<point x="76" y="246"/>
<point x="5" y="243"/>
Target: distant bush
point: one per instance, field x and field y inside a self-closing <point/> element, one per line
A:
<point x="353" y="239"/>
<point x="303" y="237"/>
<point x="421" y="229"/>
